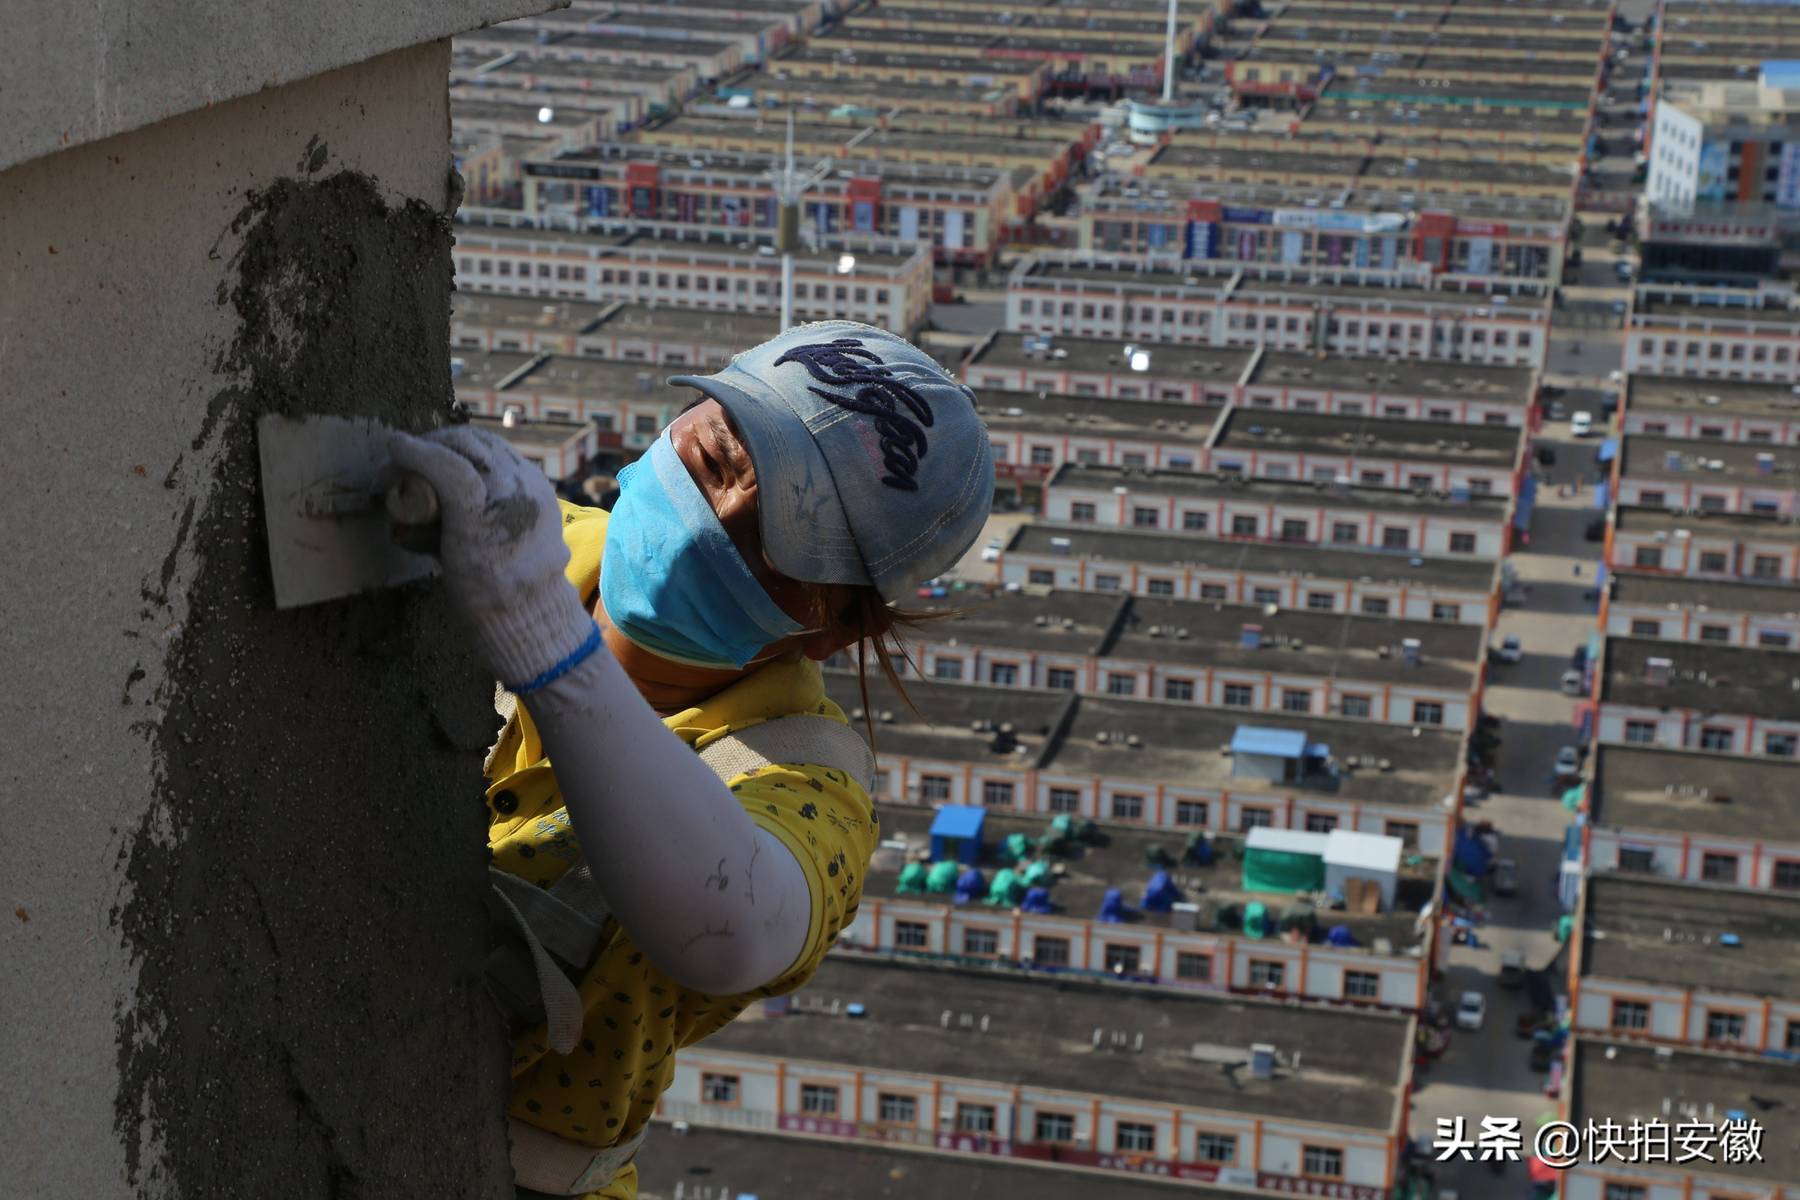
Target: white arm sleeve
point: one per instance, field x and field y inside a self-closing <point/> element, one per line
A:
<point x="720" y="905"/>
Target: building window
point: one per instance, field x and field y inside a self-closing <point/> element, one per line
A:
<point x="1406" y="831"/>
<point x="1640" y="733"/>
<point x="1724" y="1027"/>
<point x="1354" y="706"/>
<point x="1344" y="534"/>
<point x="1635" y="858"/>
<point x="1713" y="561"/>
<point x="1321" y="822"/>
<point x="1625" y="1191"/>
<point x="1178" y="689"/>
<point x="1266" y="974"/>
<point x="1159" y="587"/>
<point x="1446" y="612"/>
<point x="1294" y="531"/>
<point x="1191" y="812"/>
<point x="911" y="935"/>
<point x="1462" y="543"/>
<point x="1322" y="1162"/>
<point x="1195" y="968"/>
<point x="947" y="668"/>
<point x="1428" y="712"/>
<point x="1005" y="674"/>
<point x="1296" y="700"/>
<point x="1393" y="537"/>
<point x="1042" y="456"/>
<point x="1765" y="566"/>
<point x="1212" y="591"/>
<point x="1127" y="807"/>
<point x="1134" y="1137"/>
<point x="1215" y="1147"/>
<point x="1244" y="526"/>
<point x="719" y="1089"/>
<point x="1376" y="606"/>
<point x="1254" y="818"/>
<point x="895" y="1109"/>
<point x="1650" y="499"/>
<point x="1194" y="522"/>
<point x="1265" y="595"/>
<point x="1107" y="583"/>
<point x="1719" y="868"/>
<point x="1050" y="951"/>
<point x="1630" y="1016"/>
<point x="1055" y="1127"/>
<point x="1362" y="985"/>
<point x="1321" y="601"/>
<point x="1060" y="677"/>
<point x="818" y="1100"/>
<point x="1121" y="685"/>
<point x="1787" y="877"/>
<point x="1715" y="633"/>
<point x="1065" y="800"/>
<point x="1239" y="695"/>
<point x="1774" y="639"/>
<point x="934" y="787"/>
<point x="1041" y="577"/>
<point x="975" y="1118"/>
<point x="1714" y="738"/>
<point x="1780" y="745"/>
<point x="1643" y="628"/>
<point x="996" y="793"/>
<point x="1144" y="518"/>
<point x="1081" y="511"/>
<point x="1122" y="960"/>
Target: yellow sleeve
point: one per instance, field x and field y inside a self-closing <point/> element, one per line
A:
<point x="827" y="820"/>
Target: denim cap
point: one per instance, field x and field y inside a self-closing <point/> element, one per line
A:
<point x="872" y="465"/>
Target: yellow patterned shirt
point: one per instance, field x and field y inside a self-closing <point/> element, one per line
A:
<point x="637" y="1017"/>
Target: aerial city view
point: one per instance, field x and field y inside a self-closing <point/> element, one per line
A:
<point x="1352" y="750"/>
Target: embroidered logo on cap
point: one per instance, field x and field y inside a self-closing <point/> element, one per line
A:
<point x="846" y="363"/>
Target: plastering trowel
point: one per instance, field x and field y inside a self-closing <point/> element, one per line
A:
<point x="340" y="518"/>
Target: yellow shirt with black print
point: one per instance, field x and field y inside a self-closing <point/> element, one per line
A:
<point x="637" y="1017"/>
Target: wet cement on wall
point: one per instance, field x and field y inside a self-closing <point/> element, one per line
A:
<point x="306" y="890"/>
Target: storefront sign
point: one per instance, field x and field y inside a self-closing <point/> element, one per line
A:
<point x="1293" y="1185"/>
<point x="1246" y="216"/>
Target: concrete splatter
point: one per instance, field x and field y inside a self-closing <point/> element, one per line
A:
<point x="306" y="891"/>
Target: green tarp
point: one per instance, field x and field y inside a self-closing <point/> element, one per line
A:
<point x="942" y="877"/>
<point x="1006" y="890"/>
<point x="1255" y="914"/>
<point x="1571" y="799"/>
<point x="1466" y="888"/>
<point x="912" y="879"/>
<point x="1283" y="871"/>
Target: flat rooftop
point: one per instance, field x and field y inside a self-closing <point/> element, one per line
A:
<point x="1673" y="791"/>
<point x="609" y="378"/>
<point x="1211" y="285"/>
<point x="1495" y="447"/>
<point x="753" y="166"/>
<point x="1412" y="377"/>
<point x="627" y="246"/>
<point x="1700" y="596"/>
<point x="776" y="1167"/>
<point x="1653" y="304"/>
<point x="1704" y="397"/>
<point x="494" y="311"/>
<point x="481" y="369"/>
<point x="534" y="435"/>
<point x="1744" y="527"/>
<point x="1090" y="871"/>
<point x="1189" y="485"/>
<point x="1040" y="1033"/>
<point x="1665" y="932"/>
<point x="1179" y="550"/>
<point x="1180" y="743"/>
<point x="1106" y="356"/>
<point x="664" y="323"/>
<point x="753" y="131"/>
<point x="1293" y="641"/>
<point x="1367" y="196"/>
<point x="1707" y="676"/>
<point x="949" y="63"/>
<point x="1689" y="460"/>
<point x="1625" y="1082"/>
<point x="1063" y="414"/>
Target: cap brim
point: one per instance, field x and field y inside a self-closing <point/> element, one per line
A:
<point x="805" y="532"/>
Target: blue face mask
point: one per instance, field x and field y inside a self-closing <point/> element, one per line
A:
<point x="671" y="579"/>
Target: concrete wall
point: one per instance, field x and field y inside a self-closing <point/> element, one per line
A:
<point x="244" y="851"/>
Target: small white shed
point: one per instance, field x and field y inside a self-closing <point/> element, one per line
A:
<point x="1370" y="857"/>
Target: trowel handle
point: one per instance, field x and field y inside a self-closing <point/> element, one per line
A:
<point x="412" y="506"/>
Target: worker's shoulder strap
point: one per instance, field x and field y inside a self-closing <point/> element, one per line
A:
<point x="800" y="739"/>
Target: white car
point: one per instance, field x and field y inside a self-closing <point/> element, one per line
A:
<point x="991" y="551"/>
<point x="1581" y="424"/>
<point x="1471" y="1011"/>
<point x="1510" y="650"/>
<point x="1568" y="761"/>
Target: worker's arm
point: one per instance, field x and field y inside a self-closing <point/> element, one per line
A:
<point x="720" y="905"/>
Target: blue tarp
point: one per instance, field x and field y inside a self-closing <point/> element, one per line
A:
<point x="1603" y="496"/>
<point x="1037" y="900"/>
<point x="1572" y="843"/>
<point x="1609" y="450"/>
<point x="1273" y="743"/>
<point x="970" y="886"/>
<point x="1160" y="894"/>
<point x="1472" y="854"/>
<point x="1112" y="907"/>
<point x="1340" y="935"/>
<point x="1526" y="502"/>
<point x="1781" y="73"/>
<point x="956" y="833"/>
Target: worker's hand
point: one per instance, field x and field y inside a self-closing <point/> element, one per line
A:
<point x="502" y="550"/>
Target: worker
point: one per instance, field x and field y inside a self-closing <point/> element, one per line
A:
<point x="708" y="811"/>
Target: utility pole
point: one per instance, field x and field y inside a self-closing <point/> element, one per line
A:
<point x="790" y="185"/>
<point x="1168" y="95"/>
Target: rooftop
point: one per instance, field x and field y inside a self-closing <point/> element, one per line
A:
<point x="754" y="131"/>
<point x="1274" y="288"/>
<point x="625" y="246"/>
<point x="1721" y="397"/>
<point x="1673" y="791"/>
<point x="1260" y="559"/>
<point x="773" y="1167"/>
<point x="664" y="323"/>
<point x="1492" y="446"/>
<point x="1190" y="485"/>
<point x="1179" y="743"/>
<point x="495" y="311"/>
<point x="1712" y="678"/>
<point x="1732" y="464"/>
<point x="1040" y="1033"/>
<point x="1626" y="1082"/>
<point x="1412" y="377"/>
<point x="982" y="67"/>
<point x="1662" y="931"/>
<point x="1094" y="416"/>
<point x="534" y="435"/>
<point x="1204" y="633"/>
<point x="1700" y="596"/>
<point x="1744" y="527"/>
<point x="479" y="370"/>
<point x="1106" y="356"/>
<point x="1090" y="871"/>
<point x="1651" y="303"/>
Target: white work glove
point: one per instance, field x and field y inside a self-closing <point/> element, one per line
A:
<point x="503" y="553"/>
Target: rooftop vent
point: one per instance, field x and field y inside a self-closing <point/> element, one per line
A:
<point x="1262" y="1061"/>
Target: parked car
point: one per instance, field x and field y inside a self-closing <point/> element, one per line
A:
<point x="1568" y="761"/>
<point x="1546" y="456"/>
<point x="991" y="551"/>
<point x="1556" y="410"/>
<point x="1623" y="270"/>
<point x="1471" y="1011"/>
<point x="1596" y="530"/>
<point x="1581" y="424"/>
<point x="1510" y="650"/>
<point x="1506" y="877"/>
<point x="1512" y="969"/>
<point x="1573" y="683"/>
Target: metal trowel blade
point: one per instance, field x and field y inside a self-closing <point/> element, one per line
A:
<point x="329" y="534"/>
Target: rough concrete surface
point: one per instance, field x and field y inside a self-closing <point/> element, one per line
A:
<point x="75" y="73"/>
<point x="244" y="853"/>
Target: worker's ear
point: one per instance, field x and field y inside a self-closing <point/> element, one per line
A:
<point x="823" y="644"/>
